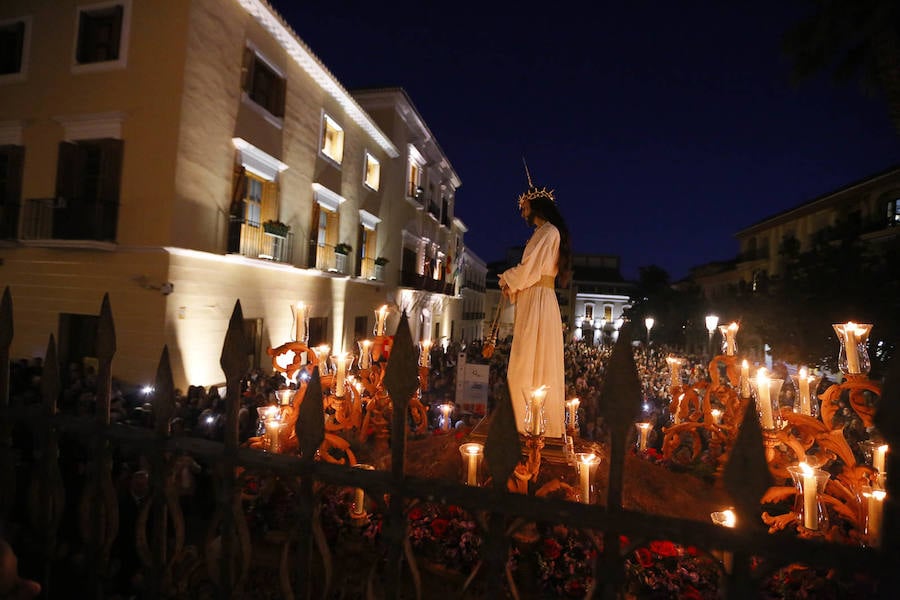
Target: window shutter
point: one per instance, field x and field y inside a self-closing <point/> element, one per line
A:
<point x="313" y="236"/>
<point x="115" y="36"/>
<point x="12" y="193"/>
<point x="269" y="202"/>
<point x="247" y="69"/>
<point x="68" y="172"/>
<point x="371" y="239"/>
<point x="110" y="171"/>
<point x="331" y="228"/>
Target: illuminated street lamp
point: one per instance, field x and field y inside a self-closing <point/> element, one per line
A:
<point x="712" y="321"/>
<point x="649" y="321"/>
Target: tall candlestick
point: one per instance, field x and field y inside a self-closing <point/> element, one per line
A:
<point x="728" y="333"/>
<point x="572" y="410"/>
<point x="875" y="509"/>
<point x="273" y="438"/>
<point x="878" y="456"/>
<point x="365" y="354"/>
<point x="745" y="379"/>
<point x="340" y="365"/>
<point x="765" y="401"/>
<point x="472" y="453"/>
<point x="803" y="381"/>
<point x="380" y="318"/>
<point x="536" y="410"/>
<point x="425" y="353"/>
<point x="810" y="488"/>
<point x="675" y="370"/>
<point x="301" y="317"/>
<point x="643" y="431"/>
<point x="585" y="464"/>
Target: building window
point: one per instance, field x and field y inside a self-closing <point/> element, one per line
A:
<point x="12" y="47"/>
<point x="365" y="265"/>
<point x="372" y="172"/>
<point x="588" y="312"/>
<point x="412" y="182"/>
<point x="102" y="34"/>
<point x="607" y="313"/>
<point x="332" y="140"/>
<point x="88" y="179"/>
<point x="253" y="201"/>
<point x="893" y="213"/>
<point x="11" y="163"/>
<point x="263" y="83"/>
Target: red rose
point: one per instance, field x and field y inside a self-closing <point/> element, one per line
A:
<point x="439" y="526"/>
<point x="644" y="557"/>
<point x="692" y="551"/>
<point x="552" y="549"/>
<point x="663" y="548"/>
<point x="415" y="514"/>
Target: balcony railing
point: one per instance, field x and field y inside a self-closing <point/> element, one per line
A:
<point x="420" y="282"/>
<point x="9" y="221"/>
<point x="248" y="239"/>
<point x="69" y="219"/>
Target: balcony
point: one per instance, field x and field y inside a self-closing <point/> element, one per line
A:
<point x="415" y="281"/>
<point x="473" y="316"/>
<point x="69" y="219"/>
<point x="251" y="240"/>
<point x="9" y="221"/>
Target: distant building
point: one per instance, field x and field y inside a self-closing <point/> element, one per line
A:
<point x="870" y="206"/>
<point x="185" y="154"/>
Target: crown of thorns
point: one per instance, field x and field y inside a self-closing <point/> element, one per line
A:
<point x="533" y="191"/>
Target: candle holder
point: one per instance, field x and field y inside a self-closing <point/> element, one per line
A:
<point x="535" y="420"/>
<point x="425" y="353"/>
<point x="875" y="452"/>
<point x="341" y="364"/>
<point x="301" y="323"/>
<point x="445" y="419"/>
<point x="572" y="416"/>
<point x="874" y="512"/>
<point x="729" y="345"/>
<point x="586" y="464"/>
<point x="810" y="482"/>
<point x="472" y="456"/>
<point x="643" y="430"/>
<point x="358" y="507"/>
<point x="322" y="358"/>
<point x="675" y="364"/>
<point x="273" y="435"/>
<point x="365" y="354"/>
<point x="804" y="403"/>
<point x="716" y="415"/>
<point x="380" y="320"/>
<point x="263" y="413"/>
<point x="285" y="397"/>
<point x="725" y="518"/>
<point x="853" y="357"/>
<point x="766" y="391"/>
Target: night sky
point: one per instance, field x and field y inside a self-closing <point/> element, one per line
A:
<point x="664" y="127"/>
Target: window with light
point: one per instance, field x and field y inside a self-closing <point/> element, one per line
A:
<point x="373" y="172"/>
<point x="332" y="140"/>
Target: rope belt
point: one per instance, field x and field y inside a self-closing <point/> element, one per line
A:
<point x="547" y="281"/>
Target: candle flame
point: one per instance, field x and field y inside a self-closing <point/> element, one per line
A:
<point x="588" y="458"/>
<point x="726" y="518"/>
<point x="806" y="469"/>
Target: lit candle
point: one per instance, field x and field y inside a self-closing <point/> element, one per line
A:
<point x="745" y="379"/>
<point x="725" y="518"/>
<point x="572" y="409"/>
<point x="875" y="509"/>
<point x="643" y="430"/>
<point x="425" y="353"/>
<point x="301" y="314"/>
<point x="803" y="381"/>
<point x="678" y="409"/>
<point x="878" y="456"/>
<point x="765" y="401"/>
<point x="716" y="415"/>
<point x="728" y="332"/>
<point x="472" y="453"/>
<point x="340" y="365"/>
<point x="585" y="465"/>
<point x="675" y="370"/>
<point x="272" y="434"/>
<point x="365" y="354"/>
<point x="536" y="407"/>
<point x="810" y="488"/>
<point x="380" y="318"/>
<point x="445" y="416"/>
<point x="358" y="509"/>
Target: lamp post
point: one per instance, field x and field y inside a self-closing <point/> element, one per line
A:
<point x="712" y="321"/>
<point x="649" y="321"/>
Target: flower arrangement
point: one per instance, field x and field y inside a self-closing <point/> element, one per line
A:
<point x="343" y="248"/>
<point x="665" y="569"/>
<point x="381" y="261"/>
<point x="445" y="535"/>
<point x="564" y="559"/>
<point x="276" y="228"/>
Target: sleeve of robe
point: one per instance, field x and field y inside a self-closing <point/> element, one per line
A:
<point x="539" y="259"/>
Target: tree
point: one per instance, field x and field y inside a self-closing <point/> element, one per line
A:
<point x="851" y="39"/>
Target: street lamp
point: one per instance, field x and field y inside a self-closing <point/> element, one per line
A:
<point x="649" y="324"/>
<point x="712" y="321"/>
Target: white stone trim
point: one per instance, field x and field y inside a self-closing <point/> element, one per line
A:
<point x="124" y="39"/>
<point x="11" y="133"/>
<point x="258" y="162"/>
<point x="368" y="220"/>
<point x="303" y="56"/>
<point x="416" y="156"/>
<point x="327" y="198"/>
<point x="91" y="126"/>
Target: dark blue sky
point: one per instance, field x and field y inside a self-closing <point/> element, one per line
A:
<point x="664" y="127"/>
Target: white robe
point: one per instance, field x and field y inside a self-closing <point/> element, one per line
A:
<point x="536" y="357"/>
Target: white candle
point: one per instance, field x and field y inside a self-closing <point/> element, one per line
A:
<point x="536" y="407"/>
<point x="678" y="409"/>
<point x="358" y="508"/>
<point x="852" y="355"/>
<point x="380" y="318"/>
<point x="272" y="434"/>
<point x="765" y="401"/>
<point x="472" y="453"/>
<point x="674" y="370"/>
<point x="585" y="464"/>
<point x="340" y="364"/>
<point x="445" y="416"/>
<point x="728" y="332"/>
<point x="643" y="431"/>
<point x="803" y="381"/>
<point x="365" y="354"/>
<point x="745" y="379"/>
<point x="875" y="508"/>
<point x="725" y="518"/>
<point x="810" y="488"/>
<point x="878" y="456"/>
<point x="716" y="415"/>
<point x="301" y="313"/>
